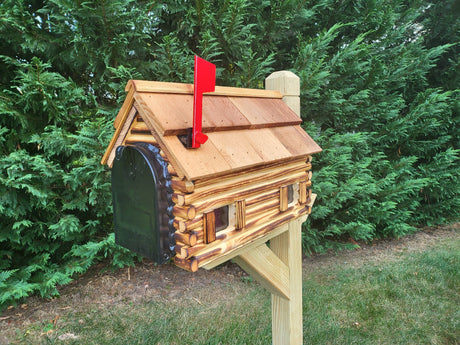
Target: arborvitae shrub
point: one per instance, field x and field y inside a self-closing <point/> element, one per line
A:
<point x="379" y="84"/>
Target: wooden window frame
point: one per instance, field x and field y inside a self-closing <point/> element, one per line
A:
<point x="236" y="218"/>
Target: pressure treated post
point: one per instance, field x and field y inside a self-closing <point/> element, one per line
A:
<point x="287" y="325"/>
<point x="288" y="84"/>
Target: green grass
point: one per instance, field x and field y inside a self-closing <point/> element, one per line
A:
<point x="413" y="299"/>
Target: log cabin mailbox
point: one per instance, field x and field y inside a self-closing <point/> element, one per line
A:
<point x="225" y="197"/>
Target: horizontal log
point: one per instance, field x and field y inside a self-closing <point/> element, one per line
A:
<point x="222" y="236"/>
<point x="183" y="225"/>
<point x="183" y="186"/>
<point x="252" y="174"/>
<point x="220" y="199"/>
<point x="190" y="265"/>
<point x="261" y="209"/>
<point x="213" y="250"/>
<point x="260" y="198"/>
<point x="222" y="257"/>
<point x="178" y="199"/>
<point x="217" y="248"/>
<point x="186" y="212"/>
<point x="140" y="138"/>
<point x="139" y="127"/>
<point x="172" y="171"/>
<point x="184" y="251"/>
<point x="188" y="238"/>
<point x="244" y="183"/>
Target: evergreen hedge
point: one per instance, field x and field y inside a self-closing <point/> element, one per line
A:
<point x="380" y="94"/>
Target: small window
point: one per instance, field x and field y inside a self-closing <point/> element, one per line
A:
<point x="290" y="193"/>
<point x="221" y="215"/>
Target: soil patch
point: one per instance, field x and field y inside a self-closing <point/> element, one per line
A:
<point x="168" y="282"/>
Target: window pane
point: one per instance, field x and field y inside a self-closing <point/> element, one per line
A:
<point x="290" y="193"/>
<point x="221" y="214"/>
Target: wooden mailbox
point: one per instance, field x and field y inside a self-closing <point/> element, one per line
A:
<point x="247" y="183"/>
<point x="252" y="175"/>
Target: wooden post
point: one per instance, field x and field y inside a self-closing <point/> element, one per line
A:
<point x="287" y="324"/>
<point x="288" y="84"/>
<point x="279" y="268"/>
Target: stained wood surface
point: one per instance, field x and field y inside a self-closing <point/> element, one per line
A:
<point x="120" y="135"/>
<point x="287" y="327"/>
<point x="303" y="194"/>
<point x="230" y="242"/>
<point x="266" y="268"/>
<point x="240" y="214"/>
<point x="283" y="198"/>
<point x="229" y="151"/>
<point x="172" y="113"/>
<point x="209" y="227"/>
<point x="178" y="88"/>
<point x="246" y="128"/>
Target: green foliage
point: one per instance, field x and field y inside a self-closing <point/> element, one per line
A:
<point x="379" y="94"/>
<point x="389" y="131"/>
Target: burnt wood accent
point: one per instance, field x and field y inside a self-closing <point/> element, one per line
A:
<point x="240" y="222"/>
<point x="284" y="190"/>
<point x="303" y="192"/>
<point x="209" y="227"/>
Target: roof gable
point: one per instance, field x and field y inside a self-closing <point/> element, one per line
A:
<point x="246" y="127"/>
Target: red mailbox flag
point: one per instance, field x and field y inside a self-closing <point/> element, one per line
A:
<point x="204" y="81"/>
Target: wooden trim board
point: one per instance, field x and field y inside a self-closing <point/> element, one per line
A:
<point x="164" y="87"/>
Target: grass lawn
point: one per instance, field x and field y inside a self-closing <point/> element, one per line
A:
<point x="406" y="298"/>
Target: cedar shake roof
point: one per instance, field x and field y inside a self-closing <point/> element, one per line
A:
<point x="246" y="127"/>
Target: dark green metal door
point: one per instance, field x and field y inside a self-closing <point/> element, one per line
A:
<point x="142" y="202"/>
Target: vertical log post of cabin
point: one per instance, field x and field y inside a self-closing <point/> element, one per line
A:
<point x="279" y="268"/>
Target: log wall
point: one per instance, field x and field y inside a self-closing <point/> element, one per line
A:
<point x="259" y="207"/>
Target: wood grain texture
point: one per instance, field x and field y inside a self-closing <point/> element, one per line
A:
<point x="183" y="186"/>
<point x="248" y="149"/>
<point x="238" y="239"/>
<point x="119" y="137"/>
<point x="283" y="198"/>
<point x="295" y="140"/>
<point x="209" y="227"/>
<point x="267" y="269"/>
<point x="141" y="138"/>
<point x="125" y="109"/>
<point x="263" y="112"/>
<point x="186" y="212"/>
<point x="188" y="238"/>
<point x="245" y="182"/>
<point x="243" y="193"/>
<point x="250" y="174"/>
<point x="303" y="191"/>
<point x="178" y="88"/>
<point x="172" y="113"/>
<point x="189" y="265"/>
<point x="287" y="327"/>
<point x="240" y="221"/>
<point x="223" y="257"/>
<point x="183" y="225"/>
